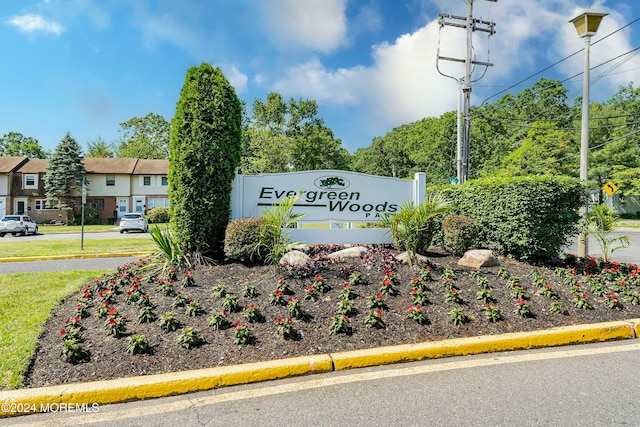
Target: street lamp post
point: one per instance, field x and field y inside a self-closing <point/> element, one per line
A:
<point x="586" y="24"/>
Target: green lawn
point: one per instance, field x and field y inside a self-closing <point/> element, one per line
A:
<point x="11" y="249"/>
<point x="26" y="299"/>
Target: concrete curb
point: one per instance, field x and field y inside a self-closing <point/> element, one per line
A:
<point x="144" y="387"/>
<point x="78" y="256"/>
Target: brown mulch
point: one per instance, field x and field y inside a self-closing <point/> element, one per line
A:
<point x="109" y="358"/>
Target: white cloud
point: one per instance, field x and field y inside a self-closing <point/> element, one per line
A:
<point x="319" y="25"/>
<point x="403" y="84"/>
<point x="236" y="78"/>
<point x="31" y="23"/>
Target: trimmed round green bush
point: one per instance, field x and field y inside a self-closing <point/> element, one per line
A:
<point x="459" y="234"/>
<point x="158" y="215"/>
<point x="242" y="238"/>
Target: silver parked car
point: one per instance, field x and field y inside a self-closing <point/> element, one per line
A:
<point x="17" y="224"/>
<point x="133" y="221"/>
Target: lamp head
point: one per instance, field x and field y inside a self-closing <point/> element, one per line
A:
<point x="587" y="23"/>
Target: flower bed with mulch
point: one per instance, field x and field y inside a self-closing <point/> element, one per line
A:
<point x="233" y="313"/>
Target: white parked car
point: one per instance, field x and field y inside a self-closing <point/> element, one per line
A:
<point x="17" y="224"/>
<point x="133" y="221"/>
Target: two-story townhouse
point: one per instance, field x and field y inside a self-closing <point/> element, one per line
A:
<point x="114" y="186"/>
<point x="8" y="166"/>
<point x="149" y="185"/>
<point x="27" y="191"/>
<point x="109" y="185"/>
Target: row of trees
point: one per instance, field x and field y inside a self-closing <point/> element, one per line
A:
<point x="533" y="132"/>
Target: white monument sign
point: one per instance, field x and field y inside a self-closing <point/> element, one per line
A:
<point x="328" y="196"/>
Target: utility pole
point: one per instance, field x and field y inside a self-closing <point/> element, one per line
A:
<point x="471" y="25"/>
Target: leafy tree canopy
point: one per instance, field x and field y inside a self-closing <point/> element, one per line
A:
<point x="99" y="148"/>
<point x="16" y="144"/>
<point x="145" y="138"/>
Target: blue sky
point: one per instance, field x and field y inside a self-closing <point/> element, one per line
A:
<point x="85" y="66"/>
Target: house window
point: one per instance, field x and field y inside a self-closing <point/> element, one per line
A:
<point x="97" y="204"/>
<point x="146" y="181"/>
<point x="111" y="180"/>
<point x="165" y="181"/>
<point x="30" y="181"/>
<point x="41" y="205"/>
<point x="156" y="202"/>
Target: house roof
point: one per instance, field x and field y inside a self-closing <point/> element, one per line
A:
<point x="93" y="165"/>
<point x="151" y="167"/>
<point x="9" y="163"/>
<point x="34" y="166"/>
<point x="110" y="165"/>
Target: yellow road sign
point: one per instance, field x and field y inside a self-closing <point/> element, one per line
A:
<point x="610" y="188"/>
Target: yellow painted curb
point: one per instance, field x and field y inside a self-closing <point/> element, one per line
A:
<point x="484" y="344"/>
<point x="635" y="324"/>
<point x="144" y="387"/>
<point x="76" y="256"/>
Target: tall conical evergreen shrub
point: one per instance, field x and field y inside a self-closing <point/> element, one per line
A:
<point x="204" y="152"/>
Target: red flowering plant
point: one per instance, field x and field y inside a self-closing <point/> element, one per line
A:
<point x="620" y="285"/>
<point x="107" y="295"/>
<point x="425" y="275"/>
<point x="537" y="278"/>
<point x="81" y="310"/>
<point x="484" y="295"/>
<point x="523" y="308"/>
<point x="218" y="320"/>
<point x="311" y="293"/>
<point x="115" y="324"/>
<point x="284" y="287"/>
<point x="165" y="287"/>
<point x="103" y="309"/>
<point x="419" y="297"/>
<point x="448" y="274"/>
<point x="179" y="300"/>
<point x="448" y="283"/>
<point x="346" y="306"/>
<point x="581" y="301"/>
<point x="74" y="322"/>
<point x="321" y="284"/>
<point x="277" y="298"/>
<point x="230" y="303"/>
<point x="419" y="284"/>
<point x="356" y="278"/>
<point x="339" y="324"/>
<point x="347" y="292"/>
<point x="242" y="335"/>
<point x="453" y="295"/>
<point x="188" y="280"/>
<point x="133" y="294"/>
<point x="416" y="313"/>
<point x="284" y="327"/>
<point x="376" y="301"/>
<point x="71" y="333"/>
<point x="548" y="292"/>
<point x="252" y="313"/>
<point x="518" y="291"/>
<point x="193" y="308"/>
<point x="611" y="300"/>
<point x="492" y="313"/>
<point x="374" y="319"/>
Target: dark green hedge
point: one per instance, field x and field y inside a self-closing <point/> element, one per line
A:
<point x="529" y="218"/>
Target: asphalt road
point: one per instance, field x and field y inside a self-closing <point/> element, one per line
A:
<point x="624" y="255"/>
<point x="586" y="385"/>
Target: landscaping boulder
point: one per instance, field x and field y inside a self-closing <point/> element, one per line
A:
<point x="354" y="252"/>
<point x="477" y="258"/>
<point x="420" y="259"/>
<point x="295" y="259"/>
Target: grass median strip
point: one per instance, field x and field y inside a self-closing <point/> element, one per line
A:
<point x="26" y="299"/>
<point x="72" y="247"/>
